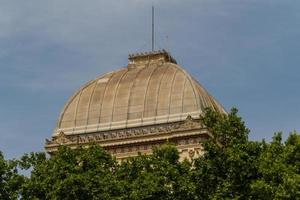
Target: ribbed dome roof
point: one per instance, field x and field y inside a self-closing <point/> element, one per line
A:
<point x="153" y="89"/>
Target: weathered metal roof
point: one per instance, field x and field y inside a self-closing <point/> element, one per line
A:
<point x="153" y="89"/>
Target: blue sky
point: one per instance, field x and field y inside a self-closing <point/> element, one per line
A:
<point x="244" y="52"/>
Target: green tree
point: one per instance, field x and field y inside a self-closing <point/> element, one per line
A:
<point x="229" y="163"/>
<point x="71" y="174"/>
<point x="10" y="180"/>
<point x="279" y="169"/>
<point x="157" y="176"/>
<point x="232" y="167"/>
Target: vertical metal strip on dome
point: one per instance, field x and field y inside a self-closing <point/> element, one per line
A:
<point x="65" y="108"/>
<point x="190" y="79"/>
<point x="76" y="110"/>
<point x="182" y="106"/>
<point x="213" y="104"/>
<point x="156" y="106"/>
<point x="216" y="105"/>
<point x="92" y="95"/>
<point x="170" y="96"/>
<point x="132" y="86"/>
<point x="115" y="94"/>
<point x="201" y="97"/>
<point x="219" y="106"/>
<point x="70" y="101"/>
<point x="89" y="104"/>
<point x="199" y="105"/>
<point x="147" y="88"/>
<point x="101" y="104"/>
<point x="205" y="95"/>
<point x="208" y="102"/>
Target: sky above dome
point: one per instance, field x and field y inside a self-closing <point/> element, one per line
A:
<point x="245" y="53"/>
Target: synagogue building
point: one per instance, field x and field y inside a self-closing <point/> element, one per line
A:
<point x="149" y="102"/>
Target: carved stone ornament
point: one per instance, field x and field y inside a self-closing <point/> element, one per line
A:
<point x="190" y="123"/>
<point x="191" y="153"/>
<point x="61" y="138"/>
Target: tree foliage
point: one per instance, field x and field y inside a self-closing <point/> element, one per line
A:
<point x="10" y="180"/>
<point x="158" y="176"/>
<point x="71" y="174"/>
<point x="232" y="167"/>
<point x="278" y="167"/>
<point x="235" y="168"/>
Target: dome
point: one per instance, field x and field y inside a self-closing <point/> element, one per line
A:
<point x="151" y="90"/>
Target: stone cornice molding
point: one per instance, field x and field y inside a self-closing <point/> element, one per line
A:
<point x="166" y="131"/>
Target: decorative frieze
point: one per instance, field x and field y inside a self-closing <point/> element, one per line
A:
<point x="62" y="138"/>
<point x="186" y="134"/>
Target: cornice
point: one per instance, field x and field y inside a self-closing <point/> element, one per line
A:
<point x="166" y="131"/>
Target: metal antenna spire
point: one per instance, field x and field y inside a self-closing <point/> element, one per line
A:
<point x="152" y="27"/>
